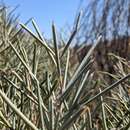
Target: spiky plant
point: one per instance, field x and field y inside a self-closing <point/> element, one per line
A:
<point x="39" y="90"/>
<point x="116" y="105"/>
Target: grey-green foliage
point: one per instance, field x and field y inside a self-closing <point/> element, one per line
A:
<point x="39" y="91"/>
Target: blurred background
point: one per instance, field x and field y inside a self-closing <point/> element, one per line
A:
<point x="46" y="11"/>
<point x="111" y="18"/>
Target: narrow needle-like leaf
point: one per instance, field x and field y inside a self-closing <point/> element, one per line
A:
<point x="37" y="38"/>
<point x="17" y="111"/>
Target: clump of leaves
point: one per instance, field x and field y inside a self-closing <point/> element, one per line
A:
<point x="39" y="91"/>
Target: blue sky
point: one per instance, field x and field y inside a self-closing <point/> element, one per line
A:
<point x="62" y="12"/>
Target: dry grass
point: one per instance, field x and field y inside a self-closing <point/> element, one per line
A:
<point x="39" y="89"/>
